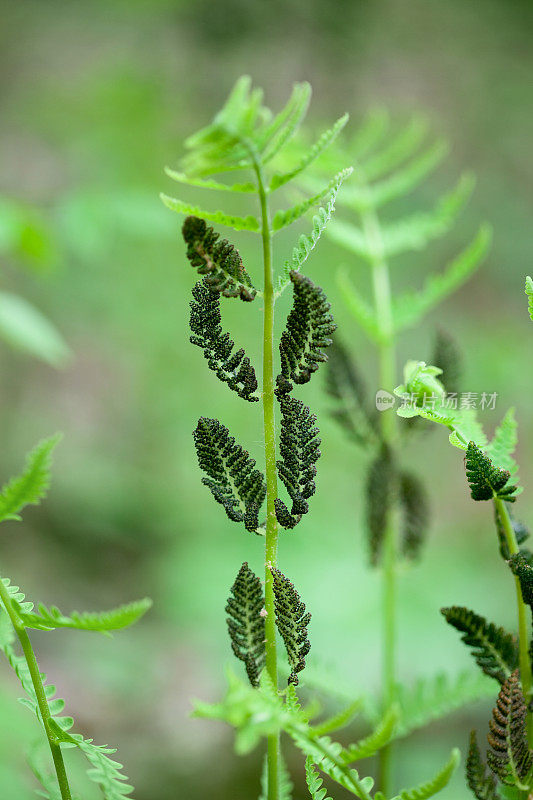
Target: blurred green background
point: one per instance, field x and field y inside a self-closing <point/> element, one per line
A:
<point x="95" y="98"/>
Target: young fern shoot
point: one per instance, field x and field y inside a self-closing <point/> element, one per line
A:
<point x="17" y="617"/>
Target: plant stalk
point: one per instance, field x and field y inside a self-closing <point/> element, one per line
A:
<point x="269" y="425"/>
<point x="42" y="702"/>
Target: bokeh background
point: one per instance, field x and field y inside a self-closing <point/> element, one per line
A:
<point x="96" y="97"/>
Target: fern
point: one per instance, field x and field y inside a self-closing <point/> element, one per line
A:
<point x="415" y="507"/>
<point x="339" y="720"/>
<point x="436" y="784"/>
<point x="230" y="367"/>
<point x="447" y="357"/>
<point x="529" y="293"/>
<point x="232" y="479"/>
<point x="521" y="533"/>
<point x="48" y="619"/>
<point x="380" y="494"/>
<point x="503" y="444"/>
<point x="345" y="385"/>
<point x="380" y="736"/>
<point x="287" y="217"/>
<point x="524" y="572"/>
<point x="31" y="486"/>
<point x="484" y="479"/>
<point x="510" y="757"/>
<point x="292" y="621"/>
<point x="314" y="781"/>
<point x="480" y="781"/>
<point x="495" y="650"/>
<point x="246" y="623"/>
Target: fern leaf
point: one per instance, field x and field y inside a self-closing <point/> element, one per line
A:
<point x="529" y="293"/>
<point x="285" y="782"/>
<point x="345" y="385"/>
<point x="246" y="623"/>
<point x="380" y="494"/>
<point x="339" y="720"/>
<point x="524" y="572"/>
<point x="359" y="307"/>
<point x="495" y="650"/>
<point x="480" y="781"/>
<point x="230" y="367"/>
<point x="501" y="448"/>
<point x="314" y="781"/>
<point x="397" y="151"/>
<point x="441" y="779"/>
<point x="248" y="223"/>
<point x="299" y="450"/>
<point x="218" y="260"/>
<point x="48" y="619"/>
<point x="327" y="755"/>
<point x="484" y="479"/>
<point x="409" y="308"/>
<point x="405" y="180"/>
<point x="520" y="531"/>
<point x="232" y="479"/>
<point x="350" y="237"/>
<point x="308" y="329"/>
<point x="415" y="507"/>
<point x="31" y="486"/>
<point x="290" y="215"/>
<point x="286" y="123"/>
<point x="48" y="780"/>
<point x="382" y="735"/>
<point x="370" y="133"/>
<point x="510" y="757"/>
<point x="313" y="153"/>
<point x="180" y="177"/>
<point x="292" y="621"/>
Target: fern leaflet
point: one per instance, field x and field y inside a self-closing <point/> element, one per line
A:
<point x="510" y="757"/>
<point x="292" y="621"/>
<point x="441" y="779"/>
<point x="479" y="779"/>
<point x="246" y="623"/>
<point x="484" y="479"/>
<point x="48" y="619"/>
<point x="31" y="486"/>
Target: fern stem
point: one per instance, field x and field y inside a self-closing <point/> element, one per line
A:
<point x="35" y="674"/>
<point x="269" y="425"/>
<point x="524" y="661"/>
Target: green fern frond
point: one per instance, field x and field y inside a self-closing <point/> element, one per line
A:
<point x="345" y="385"/>
<point x="308" y="330"/>
<point x="327" y="756"/>
<point x="441" y="779"/>
<point x="503" y="444"/>
<point x="218" y="260"/>
<point x="509" y="756"/>
<point x="292" y="621"/>
<point x="529" y="293"/>
<point x="414" y="504"/>
<point x="397" y="150"/>
<point x="283" y="218"/>
<point x="232" y="479"/>
<point x="338" y="721"/>
<point x="286" y="123"/>
<point x="32" y="485"/>
<point x="521" y="532"/>
<point x="48" y="619"/>
<point x="246" y="622"/>
<point x="479" y="779"/>
<point x="495" y="650"/>
<point x="358" y="305"/>
<point x="230" y="367"/>
<point x="299" y="451"/>
<point x="370" y="133"/>
<point x="405" y="179"/>
<point x="180" y="177"/>
<point x="314" y="781"/>
<point x="48" y="780"/>
<point x="285" y="782"/>
<point x="447" y="356"/>
<point x="248" y="223"/>
<point x="484" y="479"/>
<point x="380" y="494"/>
<point x="380" y="736"/>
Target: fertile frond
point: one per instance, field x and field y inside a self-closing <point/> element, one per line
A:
<point x="292" y="621"/>
<point x="447" y="356"/>
<point x="380" y="493"/>
<point x="299" y="451"/>
<point x="529" y="292"/>
<point x="484" y="479"/>
<point x="230" y="367"/>
<point x="232" y="479"/>
<point x="290" y="215"/>
<point x="218" y="260"/>
<point x="495" y="650"/>
<point x="308" y="329"/>
<point x="441" y="779"/>
<point x="524" y="572"/>
<point x="358" y="305"/>
<point x="314" y="781"/>
<point x="479" y="779"/>
<point x="246" y="623"/>
<point x="415" y="511"/>
<point x="520" y="531"/>
<point x="501" y="448"/>
<point x="47" y="619"/>
<point x="32" y="485"/>
<point x="248" y="223"/>
<point x="510" y="757"/>
<point x="345" y="385"/>
<point x="380" y="736"/>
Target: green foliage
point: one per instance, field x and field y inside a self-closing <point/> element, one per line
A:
<point x="299" y="450"/>
<point x="484" y="479"/>
<point x="314" y="781"/>
<point x="48" y="619"/>
<point x="529" y="293"/>
<point x="308" y="330"/>
<point x="510" y="757"/>
<point x="415" y="507"/>
<point x="521" y="533"/>
<point x="345" y="385"/>
<point x="524" y="572"/>
<point x="292" y="621"/>
<point x="380" y="736"/>
<point x="380" y="494"/>
<point x="31" y="486"/>
<point x="420" y="383"/>
<point x="495" y="650"/>
<point x="246" y="623"/>
<point x="283" y="218"/>
<point x="230" y="367"/>
<point x="218" y="260"/>
<point x="26" y="329"/>
<point x="339" y="720"/>
<point x="503" y="444"/>
<point x="479" y="779"/>
<point x="232" y="479"/>
<point x="447" y="356"/>
<point x="441" y="779"/>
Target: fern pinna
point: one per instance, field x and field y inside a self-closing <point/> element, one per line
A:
<point x="17" y="617"/>
<point x="245" y="137"/>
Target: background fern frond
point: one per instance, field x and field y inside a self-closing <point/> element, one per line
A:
<point x="495" y="650"/>
<point x="479" y="779"/>
<point x="509" y="756"/>
<point x="485" y="480"/>
<point x="447" y="356"/>
<point x="405" y="179"/>
<point x="358" y="305"/>
<point x="31" y="486"/>
<point x="380" y="495"/>
<point x="529" y="293"/>
<point x="230" y="367"/>
<point x="292" y="621"/>
<point x="48" y="619"/>
<point x="523" y="570"/>
<point x="344" y="383"/>
<point x="246" y="624"/>
<point x="232" y="479"/>
<point x="441" y="779"/>
<point x="503" y="444"/>
<point x="414" y="504"/>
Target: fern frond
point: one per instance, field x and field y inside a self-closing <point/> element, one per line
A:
<point x="510" y="757"/>
<point x="520" y="531"/>
<point x="524" y="572"/>
<point x="398" y="150"/>
<point x="484" y="479"/>
<point x="307" y="330"/>
<point x="345" y="385"/>
<point x="246" y="623"/>
<point x="339" y="720"/>
<point x="48" y="619"/>
<point x="327" y="756"/>
<point x="370" y="133"/>
<point x="299" y="451"/>
<point x="285" y="782"/>
<point x="479" y="779"/>
<point x="282" y="218"/>
<point x="180" y="177"/>
<point x="441" y="779"/>
<point x="230" y="367"/>
<point x="219" y="261"/>
<point x="380" y="494"/>
<point x="248" y="223"/>
<point x="286" y="123"/>
<point x="380" y="736"/>
<point x="292" y="621"/>
<point x="415" y="512"/>
<point x="447" y="356"/>
<point x="31" y="486"/>
<point x="404" y="180"/>
<point x="314" y="781"/>
<point x="495" y="650"/>
<point x="48" y="780"/>
<point x="358" y="305"/>
<point x="232" y="479"/>
<point x="503" y="444"/>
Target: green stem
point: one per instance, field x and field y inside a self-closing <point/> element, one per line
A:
<point x="269" y="424"/>
<point x="523" y="639"/>
<point x="42" y="702"/>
